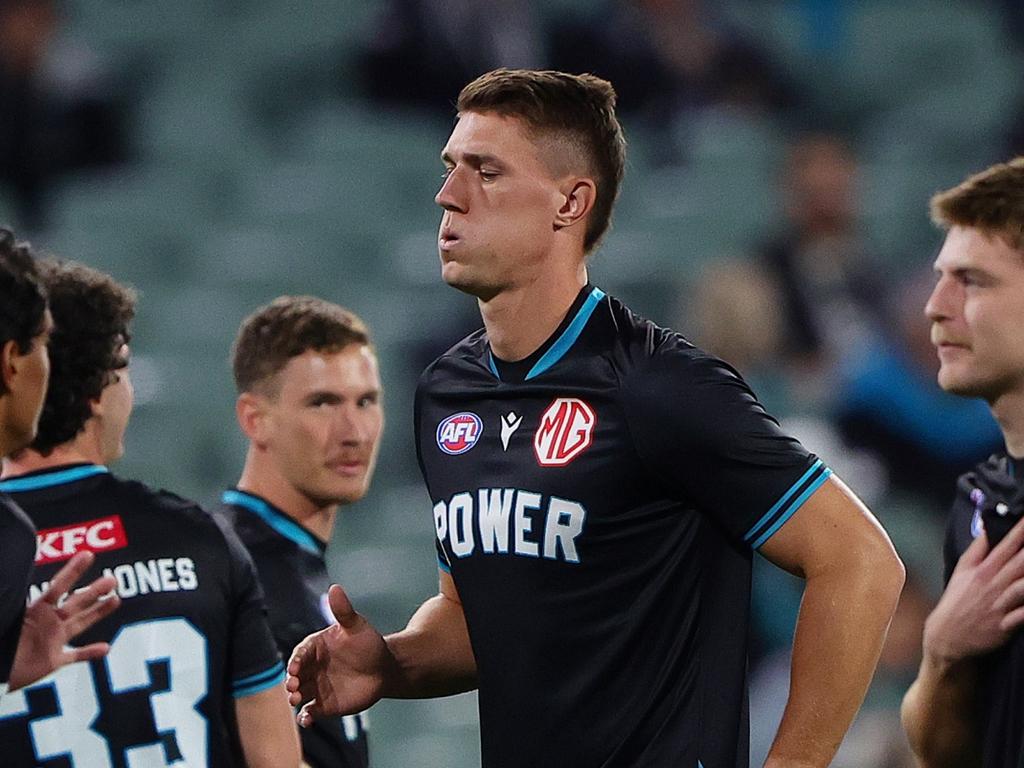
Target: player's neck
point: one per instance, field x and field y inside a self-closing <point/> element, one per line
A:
<point x="28" y="460"/>
<point x="316" y="518"/>
<point x="1009" y="412"/>
<point x="519" y="320"/>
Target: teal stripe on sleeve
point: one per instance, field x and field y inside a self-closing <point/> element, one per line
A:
<point x="259" y="682"/>
<point x="766" y="519"/>
<point x="792" y="508"/>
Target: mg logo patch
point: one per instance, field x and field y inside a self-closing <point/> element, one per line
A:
<point x="459" y="432"/>
<point x="56" y="544"/>
<point x="566" y="429"/>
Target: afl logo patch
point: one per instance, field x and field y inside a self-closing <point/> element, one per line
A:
<point x="459" y="432"/>
<point x="566" y="429"/>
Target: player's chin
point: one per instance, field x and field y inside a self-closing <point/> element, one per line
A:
<point x="955" y="382"/>
<point x="458" y="277"/>
<point x="345" y="491"/>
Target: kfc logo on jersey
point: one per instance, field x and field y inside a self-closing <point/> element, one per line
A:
<point x="56" y="544"/>
<point x="459" y="432"/>
<point x="566" y="429"/>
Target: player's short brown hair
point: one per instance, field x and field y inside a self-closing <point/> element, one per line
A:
<point x="91" y="315"/>
<point x="991" y="201"/>
<point x="579" y="110"/>
<point x="286" y="328"/>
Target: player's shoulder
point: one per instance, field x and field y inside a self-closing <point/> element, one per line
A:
<point x="13" y="520"/>
<point x="470" y="352"/>
<point x="158" y="507"/>
<point x="648" y="348"/>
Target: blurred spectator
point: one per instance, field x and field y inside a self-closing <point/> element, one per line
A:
<point x="670" y="58"/>
<point x="57" y="113"/>
<point x="733" y="310"/>
<point x="423" y="51"/>
<point x="890" y="403"/>
<point x="828" y="280"/>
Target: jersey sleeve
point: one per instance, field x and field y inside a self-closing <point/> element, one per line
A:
<point x="255" y="663"/>
<point x="442" y="557"/>
<point x="17" y="553"/>
<point x="708" y="440"/>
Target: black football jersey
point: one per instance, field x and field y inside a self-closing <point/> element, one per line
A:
<point x="17" y="550"/>
<point x="597" y="505"/>
<point x="291" y="567"/>
<point x="989" y="500"/>
<point x="189" y="637"/>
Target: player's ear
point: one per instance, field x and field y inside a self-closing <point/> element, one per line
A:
<point x="251" y="414"/>
<point x="579" y="196"/>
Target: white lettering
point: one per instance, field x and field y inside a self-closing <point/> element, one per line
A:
<point x="495" y="506"/>
<point x="148" y="575"/>
<point x="441" y="520"/>
<point x="127" y="584"/>
<point x="167" y="581"/>
<point x="524" y="524"/>
<point x="564" y="524"/>
<point x="500" y="514"/>
<point x="72" y="538"/>
<point x="95" y="540"/>
<point x="460" y="517"/>
<point x="186" y="573"/>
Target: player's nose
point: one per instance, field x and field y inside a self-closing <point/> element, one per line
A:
<point x="937" y="307"/>
<point x="451" y="196"/>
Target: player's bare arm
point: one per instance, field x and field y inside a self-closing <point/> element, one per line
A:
<point x="50" y="625"/>
<point x="853" y="582"/>
<point x="350" y="666"/>
<point x="266" y="730"/>
<point x="983" y="604"/>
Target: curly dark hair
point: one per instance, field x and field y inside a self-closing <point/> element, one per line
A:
<point x="22" y="295"/>
<point x="285" y="328"/>
<point x="91" y="313"/>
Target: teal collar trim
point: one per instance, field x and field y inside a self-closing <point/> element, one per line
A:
<point x="569" y="335"/>
<point x="276" y="519"/>
<point x="50" y="479"/>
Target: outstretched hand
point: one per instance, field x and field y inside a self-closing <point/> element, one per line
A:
<point x="340" y="670"/>
<point x="984" y="601"/>
<point x="49" y="624"/>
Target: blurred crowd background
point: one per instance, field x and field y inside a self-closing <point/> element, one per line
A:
<point x="218" y="153"/>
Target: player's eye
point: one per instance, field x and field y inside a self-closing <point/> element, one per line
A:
<point x="447" y="172"/>
<point x="368" y="400"/>
<point x="488" y="175"/>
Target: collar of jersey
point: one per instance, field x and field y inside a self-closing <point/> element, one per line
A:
<point x="275" y="518"/>
<point x="564" y="341"/>
<point x="48" y="478"/>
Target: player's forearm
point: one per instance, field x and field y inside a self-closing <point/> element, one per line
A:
<point x="266" y="729"/>
<point x="432" y="654"/>
<point x="844" y="616"/>
<point x="937" y="714"/>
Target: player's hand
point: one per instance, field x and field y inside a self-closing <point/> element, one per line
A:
<point x="49" y="626"/>
<point x="340" y="670"/>
<point x="983" y="603"/>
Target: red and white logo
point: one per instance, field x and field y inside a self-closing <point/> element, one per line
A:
<point x="566" y="429"/>
<point x="459" y="432"/>
<point x="56" y="544"/>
